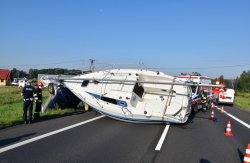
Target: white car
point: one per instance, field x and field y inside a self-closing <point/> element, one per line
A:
<point x="15" y="82"/>
<point x="21" y="83"/>
<point x="227" y="96"/>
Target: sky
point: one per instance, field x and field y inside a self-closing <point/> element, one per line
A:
<point x="174" y="36"/>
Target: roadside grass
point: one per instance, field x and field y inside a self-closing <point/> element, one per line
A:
<point x="11" y="107"/>
<point x="242" y="100"/>
<point x="10" y="95"/>
<point x="11" y="114"/>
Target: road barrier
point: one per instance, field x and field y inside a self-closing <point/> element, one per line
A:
<point x="228" y="129"/>
<point x="222" y="109"/>
<point x="212" y="115"/>
<point x="247" y="155"/>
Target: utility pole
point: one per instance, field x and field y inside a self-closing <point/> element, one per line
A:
<point x="92" y="67"/>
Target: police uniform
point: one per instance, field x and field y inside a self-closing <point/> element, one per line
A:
<point x="38" y="101"/>
<point x="28" y="93"/>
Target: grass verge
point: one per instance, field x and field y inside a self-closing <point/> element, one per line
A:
<point x="242" y="100"/>
<point x="11" y="107"/>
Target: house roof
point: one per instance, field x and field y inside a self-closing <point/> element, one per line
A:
<point x="5" y="74"/>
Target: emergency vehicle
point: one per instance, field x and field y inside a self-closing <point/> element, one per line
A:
<point x="196" y="79"/>
<point x="223" y="94"/>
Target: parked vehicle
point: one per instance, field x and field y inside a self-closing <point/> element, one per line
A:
<point x="15" y="82"/>
<point x="21" y="83"/>
<point x="198" y="91"/>
<point x="222" y="94"/>
<point x="227" y="96"/>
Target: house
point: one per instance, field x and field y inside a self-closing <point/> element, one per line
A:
<point x="5" y="77"/>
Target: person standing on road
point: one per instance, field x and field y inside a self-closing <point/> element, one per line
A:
<point x="38" y="100"/>
<point x="28" y="94"/>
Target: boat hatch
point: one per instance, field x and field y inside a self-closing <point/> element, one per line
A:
<point x="85" y="83"/>
<point x="138" y="90"/>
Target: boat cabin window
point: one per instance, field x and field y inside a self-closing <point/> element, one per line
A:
<point x="109" y="100"/>
<point x="85" y="83"/>
<point x="138" y="90"/>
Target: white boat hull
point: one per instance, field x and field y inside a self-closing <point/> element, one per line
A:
<point x="120" y="95"/>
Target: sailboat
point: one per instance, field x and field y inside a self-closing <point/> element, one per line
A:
<point x="134" y="95"/>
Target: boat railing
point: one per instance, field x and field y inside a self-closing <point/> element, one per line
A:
<point x="168" y="99"/>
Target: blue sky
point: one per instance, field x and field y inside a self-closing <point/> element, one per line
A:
<point x="173" y="36"/>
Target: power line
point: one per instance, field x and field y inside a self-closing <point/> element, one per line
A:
<point x="126" y="65"/>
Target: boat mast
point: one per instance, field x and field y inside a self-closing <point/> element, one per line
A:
<point x="92" y="67"/>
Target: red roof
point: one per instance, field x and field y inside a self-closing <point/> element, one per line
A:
<point x="5" y="74"/>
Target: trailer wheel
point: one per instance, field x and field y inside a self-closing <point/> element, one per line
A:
<point x="51" y="88"/>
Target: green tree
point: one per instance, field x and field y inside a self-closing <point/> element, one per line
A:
<point x="14" y="73"/>
<point x="243" y="82"/>
<point x="18" y="73"/>
<point x="222" y="79"/>
<point x="33" y="73"/>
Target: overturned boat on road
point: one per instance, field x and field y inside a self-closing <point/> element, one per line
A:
<point x="132" y="95"/>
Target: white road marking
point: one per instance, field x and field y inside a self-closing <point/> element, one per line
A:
<point x="164" y="134"/>
<point x="235" y="118"/>
<point x="48" y="134"/>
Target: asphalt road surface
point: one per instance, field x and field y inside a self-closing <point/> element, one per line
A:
<point x="107" y="140"/>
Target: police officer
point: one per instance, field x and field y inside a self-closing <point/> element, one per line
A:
<point x="38" y="100"/>
<point x="28" y="94"/>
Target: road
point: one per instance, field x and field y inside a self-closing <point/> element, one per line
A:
<point x="107" y="140"/>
